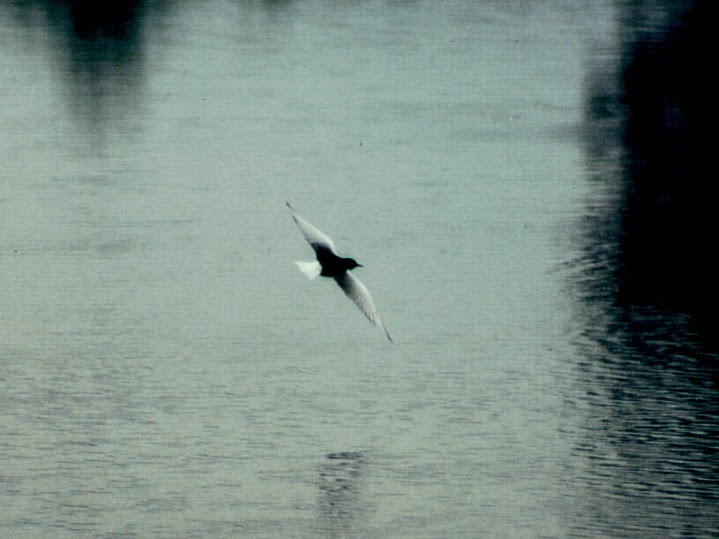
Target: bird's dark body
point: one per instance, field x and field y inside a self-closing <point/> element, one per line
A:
<point x="336" y="267"/>
<point x="333" y="265"/>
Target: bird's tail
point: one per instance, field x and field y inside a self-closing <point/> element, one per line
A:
<point x="310" y="269"/>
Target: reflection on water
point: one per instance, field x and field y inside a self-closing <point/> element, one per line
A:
<point x="648" y="448"/>
<point x="98" y="52"/>
<point x="341" y="504"/>
<point x="661" y="227"/>
<point x="648" y="444"/>
<point x="157" y="379"/>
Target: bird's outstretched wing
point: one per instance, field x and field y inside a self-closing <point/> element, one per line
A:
<point x="313" y="236"/>
<point x="358" y="293"/>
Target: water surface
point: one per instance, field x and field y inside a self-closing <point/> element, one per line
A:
<point x="165" y="369"/>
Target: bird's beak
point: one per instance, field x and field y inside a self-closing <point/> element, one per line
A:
<point x="360" y="266"/>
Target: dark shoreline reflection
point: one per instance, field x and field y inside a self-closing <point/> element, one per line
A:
<point x="648" y="445"/>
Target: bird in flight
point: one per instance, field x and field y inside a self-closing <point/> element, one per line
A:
<point x="330" y="264"/>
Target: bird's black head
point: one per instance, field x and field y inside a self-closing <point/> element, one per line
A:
<point x="352" y="264"/>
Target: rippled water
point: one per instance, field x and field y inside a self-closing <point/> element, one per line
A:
<point x="166" y="371"/>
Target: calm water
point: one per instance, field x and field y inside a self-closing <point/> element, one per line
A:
<point x="166" y="371"/>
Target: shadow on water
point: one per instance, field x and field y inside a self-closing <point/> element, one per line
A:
<point x="340" y="500"/>
<point x="648" y="446"/>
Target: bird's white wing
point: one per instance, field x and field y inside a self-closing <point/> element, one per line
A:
<point x="313" y="236"/>
<point x="358" y="293"/>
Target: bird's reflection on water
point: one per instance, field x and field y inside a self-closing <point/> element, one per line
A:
<point x="340" y="502"/>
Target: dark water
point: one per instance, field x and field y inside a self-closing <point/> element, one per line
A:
<point x="523" y="186"/>
<point x="648" y="294"/>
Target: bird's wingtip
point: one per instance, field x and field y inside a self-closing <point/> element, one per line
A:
<point x="384" y="329"/>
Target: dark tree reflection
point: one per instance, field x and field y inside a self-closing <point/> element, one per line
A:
<point x="651" y="233"/>
<point x="648" y="347"/>
<point x="97" y="49"/>
<point x="668" y="226"/>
